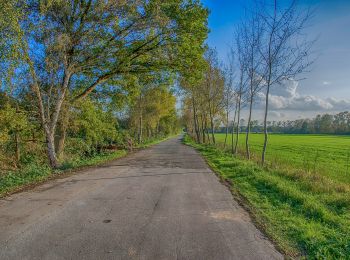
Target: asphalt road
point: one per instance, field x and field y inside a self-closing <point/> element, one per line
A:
<point x="159" y="203"/>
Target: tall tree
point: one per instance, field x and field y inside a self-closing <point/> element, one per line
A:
<point x="213" y="88"/>
<point x="98" y="42"/>
<point x="229" y="93"/>
<point x="284" y="53"/>
<point x="251" y="34"/>
<point x="242" y="82"/>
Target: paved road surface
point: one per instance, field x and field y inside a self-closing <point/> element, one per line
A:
<point x="159" y="203"/>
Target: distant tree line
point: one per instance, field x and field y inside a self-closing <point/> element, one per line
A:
<point x="338" y="124"/>
<point x="321" y="124"/>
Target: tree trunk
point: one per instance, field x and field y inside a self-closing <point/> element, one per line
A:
<point x="139" y="138"/>
<point x="198" y="130"/>
<point x="265" y="125"/>
<point x="206" y="130"/>
<point x="196" y="127"/>
<point x="157" y="131"/>
<point x="195" y="121"/>
<point x="212" y="126"/>
<point x="226" y="129"/>
<point x="200" y="126"/>
<point x="50" y="140"/>
<point x="140" y="129"/>
<point x="212" y="130"/>
<point x="248" y="128"/>
<point x="208" y="136"/>
<point x="268" y="91"/>
<point x="51" y="130"/>
<point x="18" y="149"/>
<point x="232" y="136"/>
<point x="62" y="131"/>
<point x="61" y="140"/>
<point x="17" y="145"/>
<point x="203" y="130"/>
<point x="48" y="124"/>
<point x="233" y="130"/>
<point x="238" y="118"/>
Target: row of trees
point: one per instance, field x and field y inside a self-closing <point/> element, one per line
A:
<point x="77" y="75"/>
<point x="321" y="124"/>
<point x="269" y="48"/>
<point x="203" y="102"/>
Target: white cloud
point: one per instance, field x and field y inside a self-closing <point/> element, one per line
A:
<point x="326" y="83"/>
<point x="286" y="97"/>
<point x="276" y="114"/>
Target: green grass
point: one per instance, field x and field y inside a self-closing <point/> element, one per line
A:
<point x="327" y="155"/>
<point x="35" y="173"/>
<point x="303" y="214"/>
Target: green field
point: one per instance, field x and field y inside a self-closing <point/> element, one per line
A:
<point x="305" y="212"/>
<point x="327" y="155"/>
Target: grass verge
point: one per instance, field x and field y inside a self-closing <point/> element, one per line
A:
<point x="303" y="221"/>
<point x="33" y="174"/>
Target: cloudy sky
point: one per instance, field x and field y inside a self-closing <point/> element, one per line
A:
<point x="326" y="88"/>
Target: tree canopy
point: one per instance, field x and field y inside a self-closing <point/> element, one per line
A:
<point x="81" y="66"/>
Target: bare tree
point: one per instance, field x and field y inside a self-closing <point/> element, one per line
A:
<point x="234" y="123"/>
<point x="214" y="88"/>
<point x="229" y="93"/>
<point x="285" y="51"/>
<point x="251" y="34"/>
<point x="242" y="82"/>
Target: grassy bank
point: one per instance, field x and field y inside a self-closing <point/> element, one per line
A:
<point x="304" y="214"/>
<point x="32" y="173"/>
<point x="35" y="173"/>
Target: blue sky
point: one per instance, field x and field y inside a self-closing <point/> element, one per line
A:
<point x="326" y="88"/>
